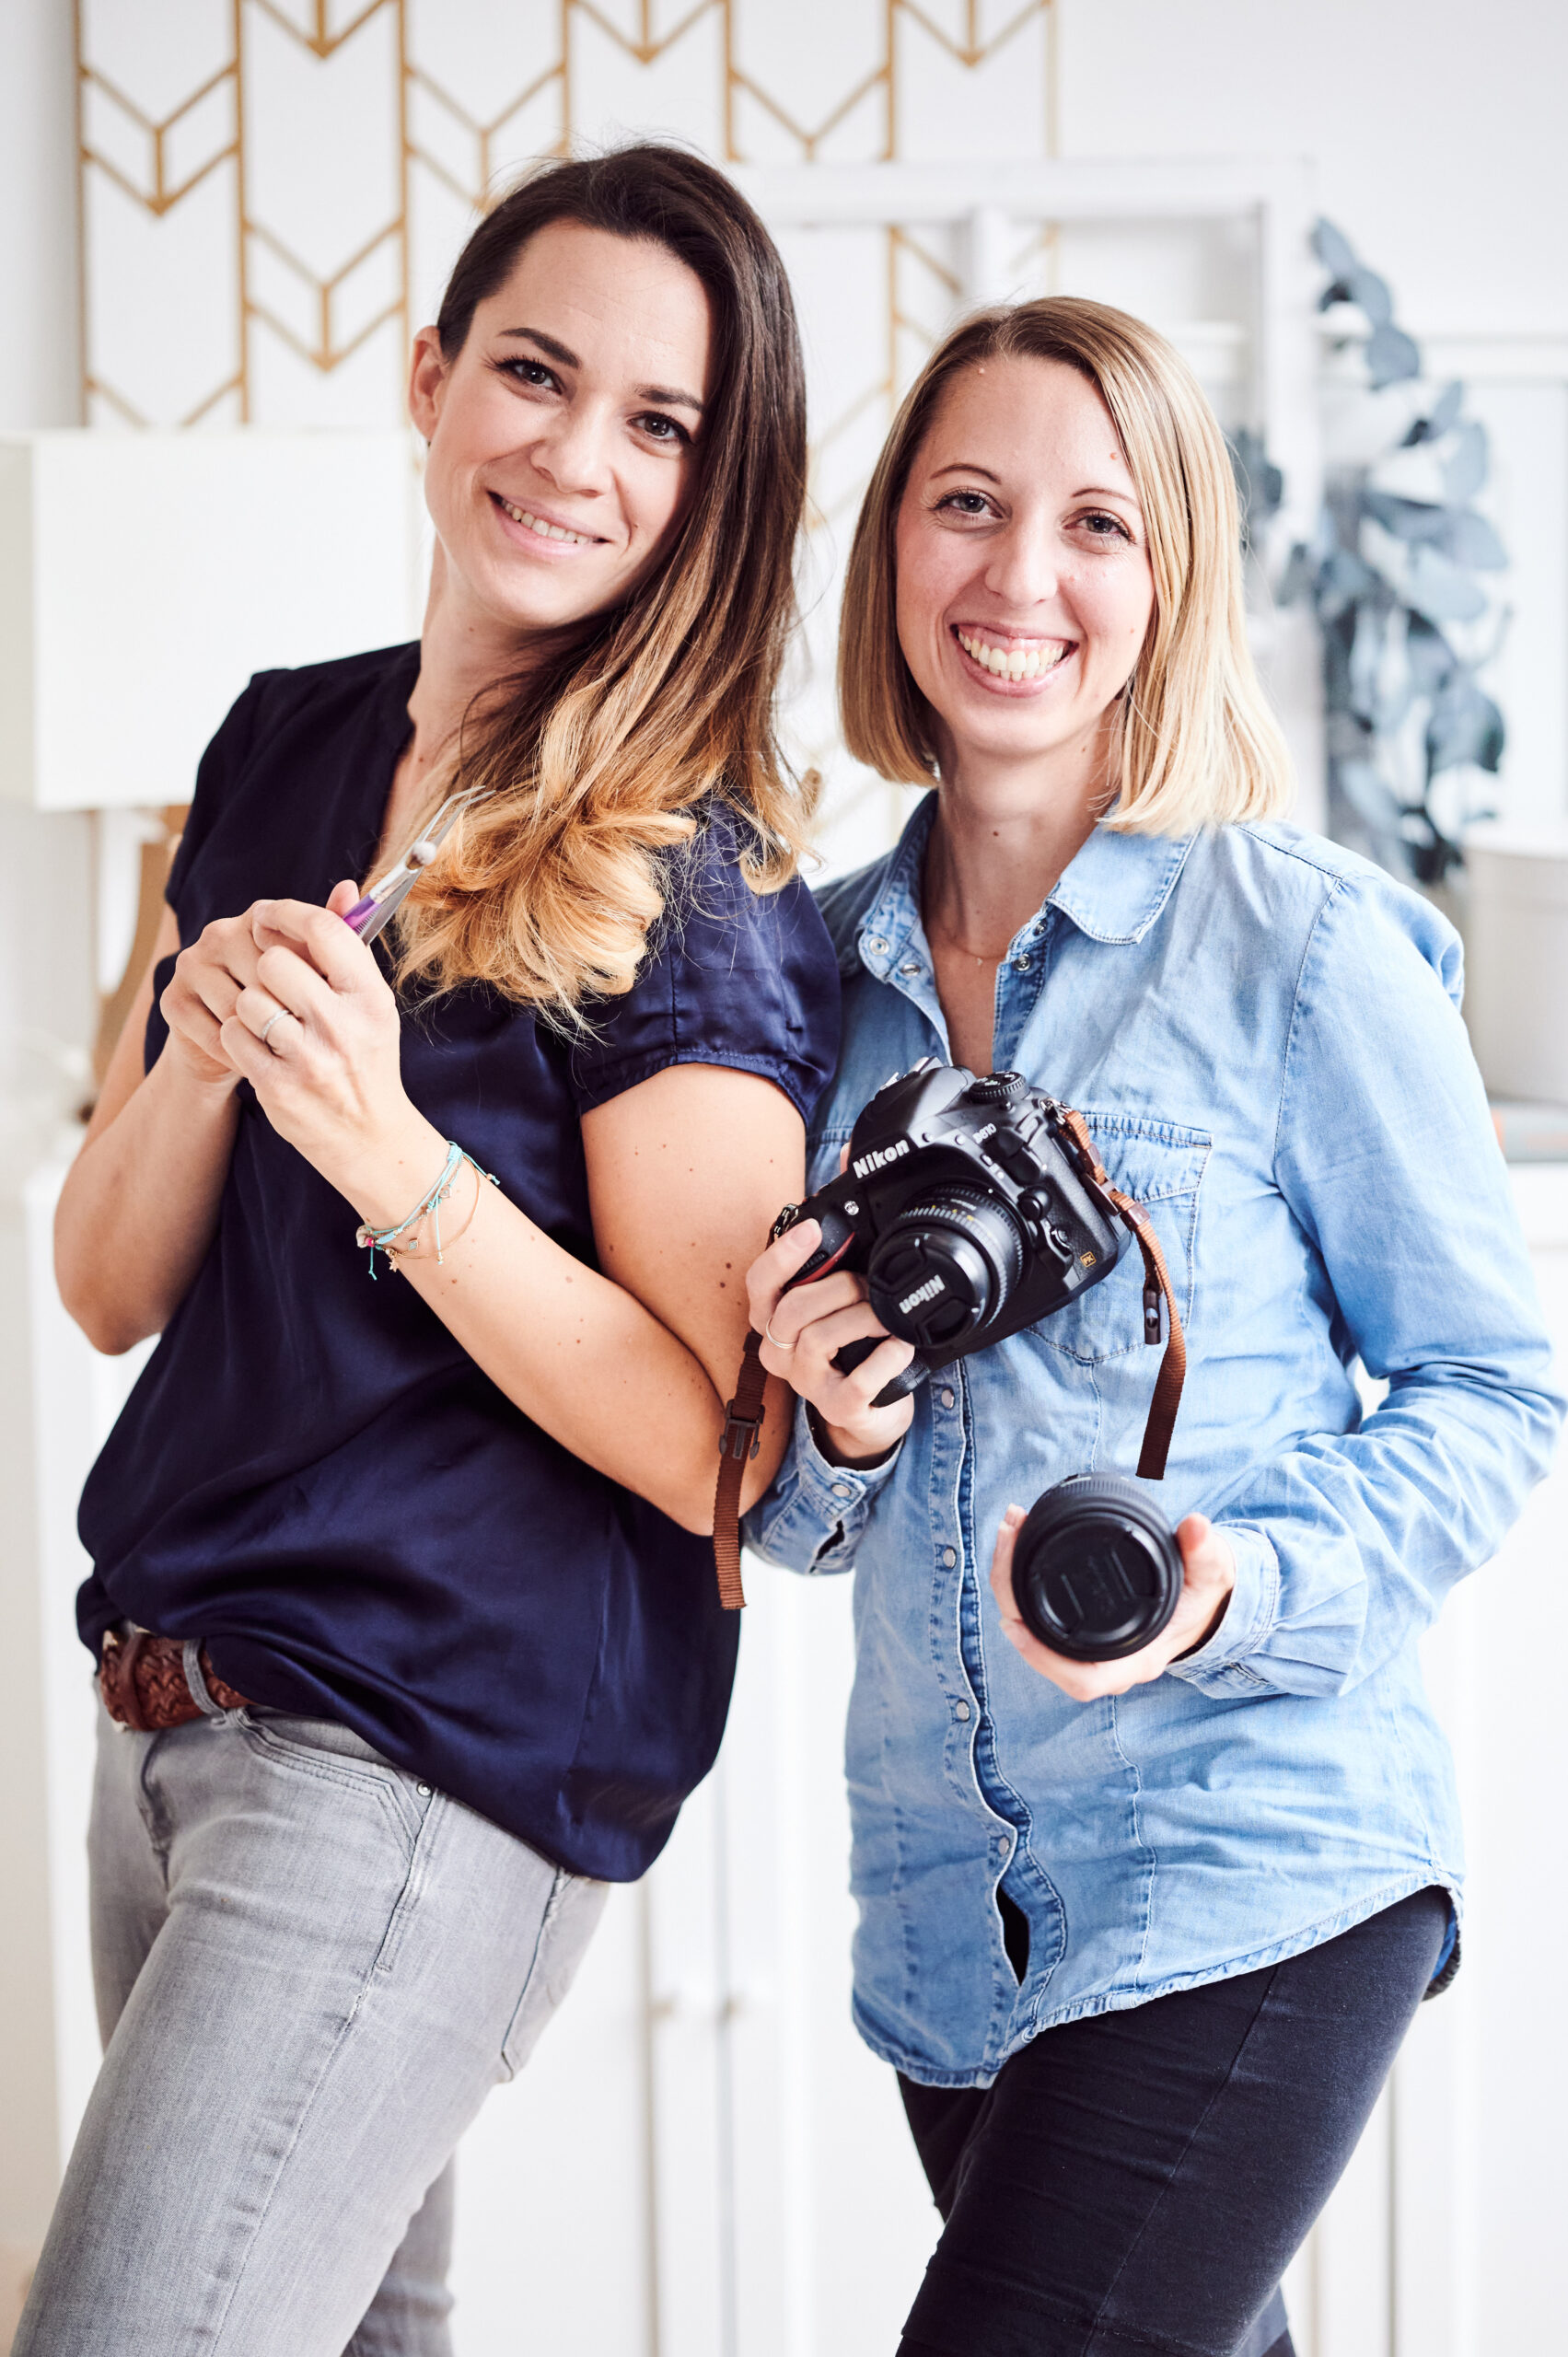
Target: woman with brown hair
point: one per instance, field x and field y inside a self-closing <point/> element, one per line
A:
<point x="402" y="1589"/>
<point x="1141" y="1935"/>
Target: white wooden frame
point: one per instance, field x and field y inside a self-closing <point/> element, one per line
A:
<point x="1275" y="195"/>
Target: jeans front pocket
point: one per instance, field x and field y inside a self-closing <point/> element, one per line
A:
<point x="571" y="1915"/>
<point x="334" y="1758"/>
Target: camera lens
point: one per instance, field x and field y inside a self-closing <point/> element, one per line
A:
<point x="944" y="1265"/>
<point x="1097" y="1571"/>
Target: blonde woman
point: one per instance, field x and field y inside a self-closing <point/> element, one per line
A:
<point x="1142" y="1937"/>
<point x="436" y="1650"/>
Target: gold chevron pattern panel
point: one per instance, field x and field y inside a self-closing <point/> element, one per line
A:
<point x="274" y="189"/>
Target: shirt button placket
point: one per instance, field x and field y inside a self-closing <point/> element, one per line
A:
<point x="947" y="1400"/>
<point x="947" y="1415"/>
<point x="946" y="1451"/>
<point x="947" y="1435"/>
<point x="1019" y="997"/>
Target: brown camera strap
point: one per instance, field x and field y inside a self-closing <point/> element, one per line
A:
<point x="742" y="1438"/>
<point x="1156" y="1288"/>
<point x="743" y="1420"/>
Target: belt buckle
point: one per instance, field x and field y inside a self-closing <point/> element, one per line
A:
<point x="117" y="1679"/>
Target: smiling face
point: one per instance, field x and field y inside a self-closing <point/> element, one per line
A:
<point x="564" y="435"/>
<point x="1024" y="591"/>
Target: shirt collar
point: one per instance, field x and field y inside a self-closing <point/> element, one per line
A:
<point x="1118" y="884"/>
<point x="894" y="914"/>
<point x="1113" y="889"/>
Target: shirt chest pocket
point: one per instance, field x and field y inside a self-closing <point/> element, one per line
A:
<point x="1161" y="1166"/>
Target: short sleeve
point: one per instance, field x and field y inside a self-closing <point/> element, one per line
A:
<point x="735" y="977"/>
<point x="213" y="775"/>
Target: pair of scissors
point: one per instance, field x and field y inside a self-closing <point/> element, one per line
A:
<point x="372" y="914"/>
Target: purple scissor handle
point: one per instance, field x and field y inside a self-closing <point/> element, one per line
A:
<point x="376" y="910"/>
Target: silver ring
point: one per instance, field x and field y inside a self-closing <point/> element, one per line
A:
<point x="785" y="1347"/>
<point x="268" y="1023"/>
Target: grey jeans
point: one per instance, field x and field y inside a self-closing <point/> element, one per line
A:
<point x="310" y="1969"/>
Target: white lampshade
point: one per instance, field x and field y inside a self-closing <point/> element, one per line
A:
<point x="145" y="576"/>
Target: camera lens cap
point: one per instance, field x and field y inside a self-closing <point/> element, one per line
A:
<point x="931" y="1284"/>
<point x="1096" y="1571"/>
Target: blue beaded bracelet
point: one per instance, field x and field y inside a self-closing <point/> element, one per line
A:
<point x="383" y="1240"/>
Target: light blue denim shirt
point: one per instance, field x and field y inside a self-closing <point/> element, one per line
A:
<point x="1262" y="1033"/>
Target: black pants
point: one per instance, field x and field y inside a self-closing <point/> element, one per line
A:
<point x="1134" y="2185"/>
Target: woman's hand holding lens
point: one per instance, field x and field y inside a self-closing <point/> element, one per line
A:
<point x="802" y="1330"/>
<point x="1208" y="1576"/>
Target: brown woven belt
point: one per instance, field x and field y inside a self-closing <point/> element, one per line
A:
<point x="144" y="1685"/>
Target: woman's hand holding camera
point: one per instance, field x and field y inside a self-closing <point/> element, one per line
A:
<point x="288" y="998"/>
<point x="1208" y="1576"/>
<point x="802" y="1330"/>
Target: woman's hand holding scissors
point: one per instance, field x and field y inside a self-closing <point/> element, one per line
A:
<point x="312" y="1024"/>
<point x="283" y="996"/>
<point x="201" y="994"/>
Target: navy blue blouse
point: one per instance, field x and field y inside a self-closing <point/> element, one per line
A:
<point x="311" y="1473"/>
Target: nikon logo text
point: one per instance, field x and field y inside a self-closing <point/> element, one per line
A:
<point x="927" y="1292"/>
<point x="870" y="1162"/>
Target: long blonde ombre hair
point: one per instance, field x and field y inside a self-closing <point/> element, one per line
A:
<point x="598" y="761"/>
<point x="1192" y="740"/>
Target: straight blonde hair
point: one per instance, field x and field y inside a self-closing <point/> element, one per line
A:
<point x="600" y="759"/>
<point x="1193" y="741"/>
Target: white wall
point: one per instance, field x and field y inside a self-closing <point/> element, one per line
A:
<point x="1436" y="129"/>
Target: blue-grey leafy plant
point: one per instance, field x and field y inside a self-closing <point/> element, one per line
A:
<point x="1407" y="620"/>
<point x="1260" y="486"/>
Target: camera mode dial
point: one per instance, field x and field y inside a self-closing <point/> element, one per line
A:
<point x="998" y="1086"/>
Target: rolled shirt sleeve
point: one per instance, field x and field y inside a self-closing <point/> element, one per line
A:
<point x="1347" y="1543"/>
<point x="812" y="1518"/>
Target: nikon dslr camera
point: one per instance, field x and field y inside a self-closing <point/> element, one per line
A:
<point x="974" y="1207"/>
<point x="967" y="1211"/>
